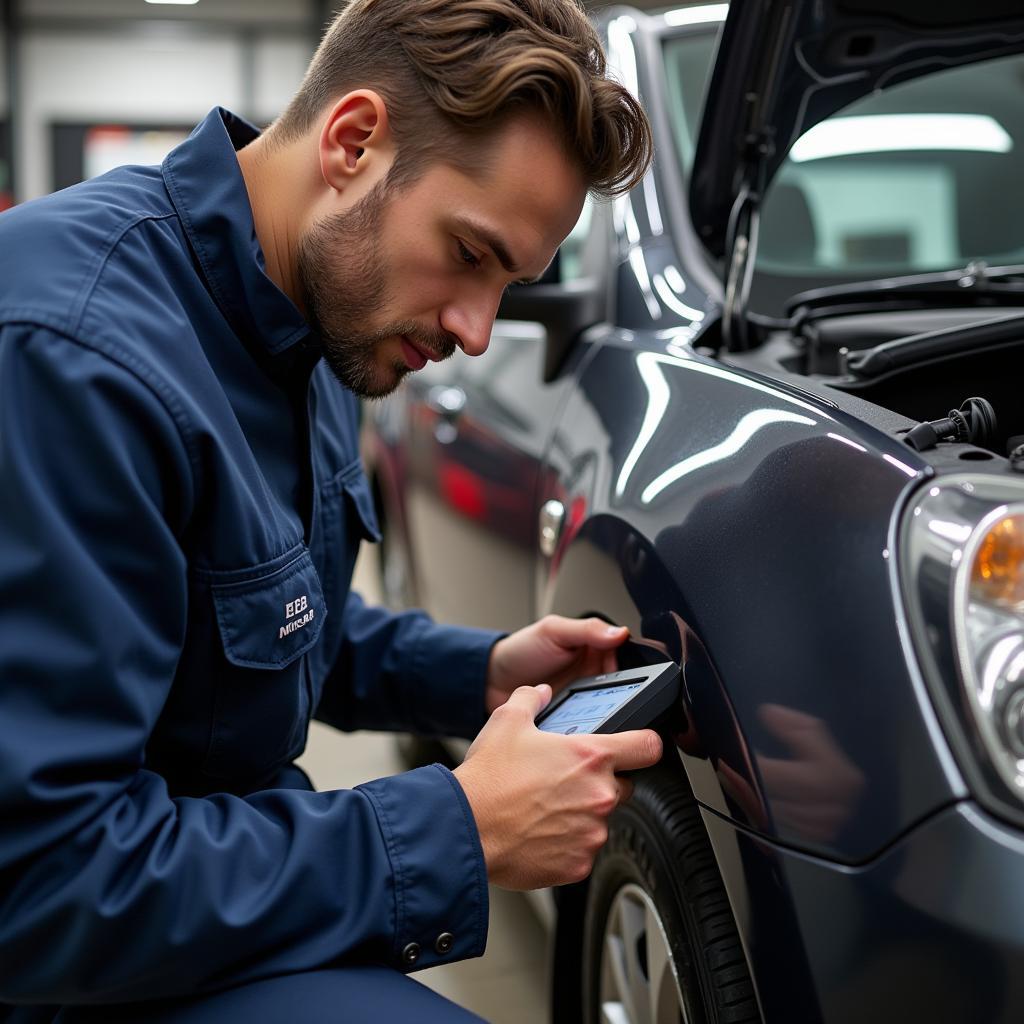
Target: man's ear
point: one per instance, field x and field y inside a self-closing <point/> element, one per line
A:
<point x="356" y="140"/>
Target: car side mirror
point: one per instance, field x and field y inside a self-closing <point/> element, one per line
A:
<point x="564" y="310"/>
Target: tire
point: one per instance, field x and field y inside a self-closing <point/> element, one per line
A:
<point x="660" y="945"/>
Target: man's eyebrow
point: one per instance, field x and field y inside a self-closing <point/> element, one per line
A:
<point x="493" y="242"/>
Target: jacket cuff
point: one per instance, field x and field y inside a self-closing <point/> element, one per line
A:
<point x="449" y="680"/>
<point x="437" y="864"/>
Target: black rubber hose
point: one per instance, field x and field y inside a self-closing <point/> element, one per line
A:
<point x="973" y="423"/>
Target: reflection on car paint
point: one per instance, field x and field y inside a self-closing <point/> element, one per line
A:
<point x="643" y="280"/>
<point x="748" y="426"/>
<point x="622" y="53"/>
<point x="667" y="293"/>
<point x="658" y="393"/>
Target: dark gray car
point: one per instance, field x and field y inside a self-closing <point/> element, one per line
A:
<point x="768" y="414"/>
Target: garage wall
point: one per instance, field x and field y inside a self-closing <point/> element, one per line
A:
<point x="278" y="67"/>
<point x="136" y="65"/>
<point x="155" y="73"/>
<point x="295" y="12"/>
<point x="3" y="74"/>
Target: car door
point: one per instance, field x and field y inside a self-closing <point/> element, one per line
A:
<point x="476" y="433"/>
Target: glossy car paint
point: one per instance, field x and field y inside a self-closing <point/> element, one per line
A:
<point x="750" y="530"/>
<point x="930" y="930"/>
<point x="756" y="520"/>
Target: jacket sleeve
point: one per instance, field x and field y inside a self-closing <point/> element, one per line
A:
<point x="110" y="889"/>
<point x="404" y="671"/>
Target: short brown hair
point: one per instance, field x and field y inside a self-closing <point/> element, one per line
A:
<point x="467" y="66"/>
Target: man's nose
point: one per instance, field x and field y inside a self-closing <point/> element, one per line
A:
<point x="471" y="322"/>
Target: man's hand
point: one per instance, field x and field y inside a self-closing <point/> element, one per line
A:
<point x="554" y="650"/>
<point x="541" y="800"/>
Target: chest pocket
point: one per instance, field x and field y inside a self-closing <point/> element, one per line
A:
<point x="346" y="518"/>
<point x="269" y="617"/>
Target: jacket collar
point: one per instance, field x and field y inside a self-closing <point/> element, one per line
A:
<point x="206" y="186"/>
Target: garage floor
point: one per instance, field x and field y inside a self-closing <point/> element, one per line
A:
<point x="508" y="984"/>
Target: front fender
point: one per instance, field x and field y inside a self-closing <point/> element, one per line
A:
<point x="744" y="530"/>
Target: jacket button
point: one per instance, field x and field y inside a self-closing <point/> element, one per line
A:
<point x="411" y="953"/>
<point x="444" y="943"/>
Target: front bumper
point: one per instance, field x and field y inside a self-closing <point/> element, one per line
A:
<point x="930" y="930"/>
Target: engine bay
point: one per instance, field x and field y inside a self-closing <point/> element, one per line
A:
<point x="927" y="365"/>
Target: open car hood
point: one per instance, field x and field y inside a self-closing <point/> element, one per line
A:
<point x="785" y="65"/>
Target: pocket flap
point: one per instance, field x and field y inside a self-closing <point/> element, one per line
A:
<point x="357" y="488"/>
<point x="270" y="620"/>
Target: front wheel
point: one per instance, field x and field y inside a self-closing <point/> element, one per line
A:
<point x="660" y="942"/>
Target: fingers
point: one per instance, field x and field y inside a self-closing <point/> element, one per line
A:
<point x="593" y="632"/>
<point x="531" y="699"/>
<point x="625" y="788"/>
<point x="639" y="748"/>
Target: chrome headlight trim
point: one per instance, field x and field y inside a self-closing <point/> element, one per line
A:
<point x="939" y="533"/>
<point x="1010" y="768"/>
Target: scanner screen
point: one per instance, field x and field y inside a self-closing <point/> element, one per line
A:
<point x="586" y="710"/>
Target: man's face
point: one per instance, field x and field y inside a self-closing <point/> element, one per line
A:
<point x="409" y="276"/>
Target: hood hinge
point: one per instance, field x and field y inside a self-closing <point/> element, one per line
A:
<point x="741" y="243"/>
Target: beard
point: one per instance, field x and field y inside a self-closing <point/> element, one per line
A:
<point x="342" y="274"/>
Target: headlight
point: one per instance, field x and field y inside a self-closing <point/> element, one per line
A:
<point x="988" y="615"/>
<point x="962" y="572"/>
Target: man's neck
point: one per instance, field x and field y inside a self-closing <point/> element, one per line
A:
<point x="273" y="180"/>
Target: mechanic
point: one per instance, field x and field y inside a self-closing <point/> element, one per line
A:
<point x="182" y="504"/>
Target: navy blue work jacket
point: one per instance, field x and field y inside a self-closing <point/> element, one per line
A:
<point x="182" y="501"/>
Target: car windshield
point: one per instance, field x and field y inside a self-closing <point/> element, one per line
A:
<point x="920" y="177"/>
<point x="923" y="176"/>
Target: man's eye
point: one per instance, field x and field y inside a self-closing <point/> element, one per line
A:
<point x="466" y="255"/>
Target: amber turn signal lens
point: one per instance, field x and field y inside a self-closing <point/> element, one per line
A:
<point x="997" y="575"/>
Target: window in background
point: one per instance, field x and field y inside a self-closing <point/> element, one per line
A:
<point x="688" y="63"/>
<point x="109" y="147"/>
<point x="571" y="252"/>
<point x="82" y="151"/>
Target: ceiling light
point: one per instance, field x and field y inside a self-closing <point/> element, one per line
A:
<point x="699" y="15"/>
<point x="899" y="133"/>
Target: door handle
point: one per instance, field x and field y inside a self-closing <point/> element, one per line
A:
<point x="552" y="515"/>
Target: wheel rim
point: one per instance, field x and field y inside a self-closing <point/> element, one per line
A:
<point x="639" y="984"/>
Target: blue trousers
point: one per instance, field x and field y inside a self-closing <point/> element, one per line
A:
<point x="346" y="995"/>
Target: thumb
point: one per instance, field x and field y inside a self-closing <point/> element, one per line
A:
<point x="530" y="699"/>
